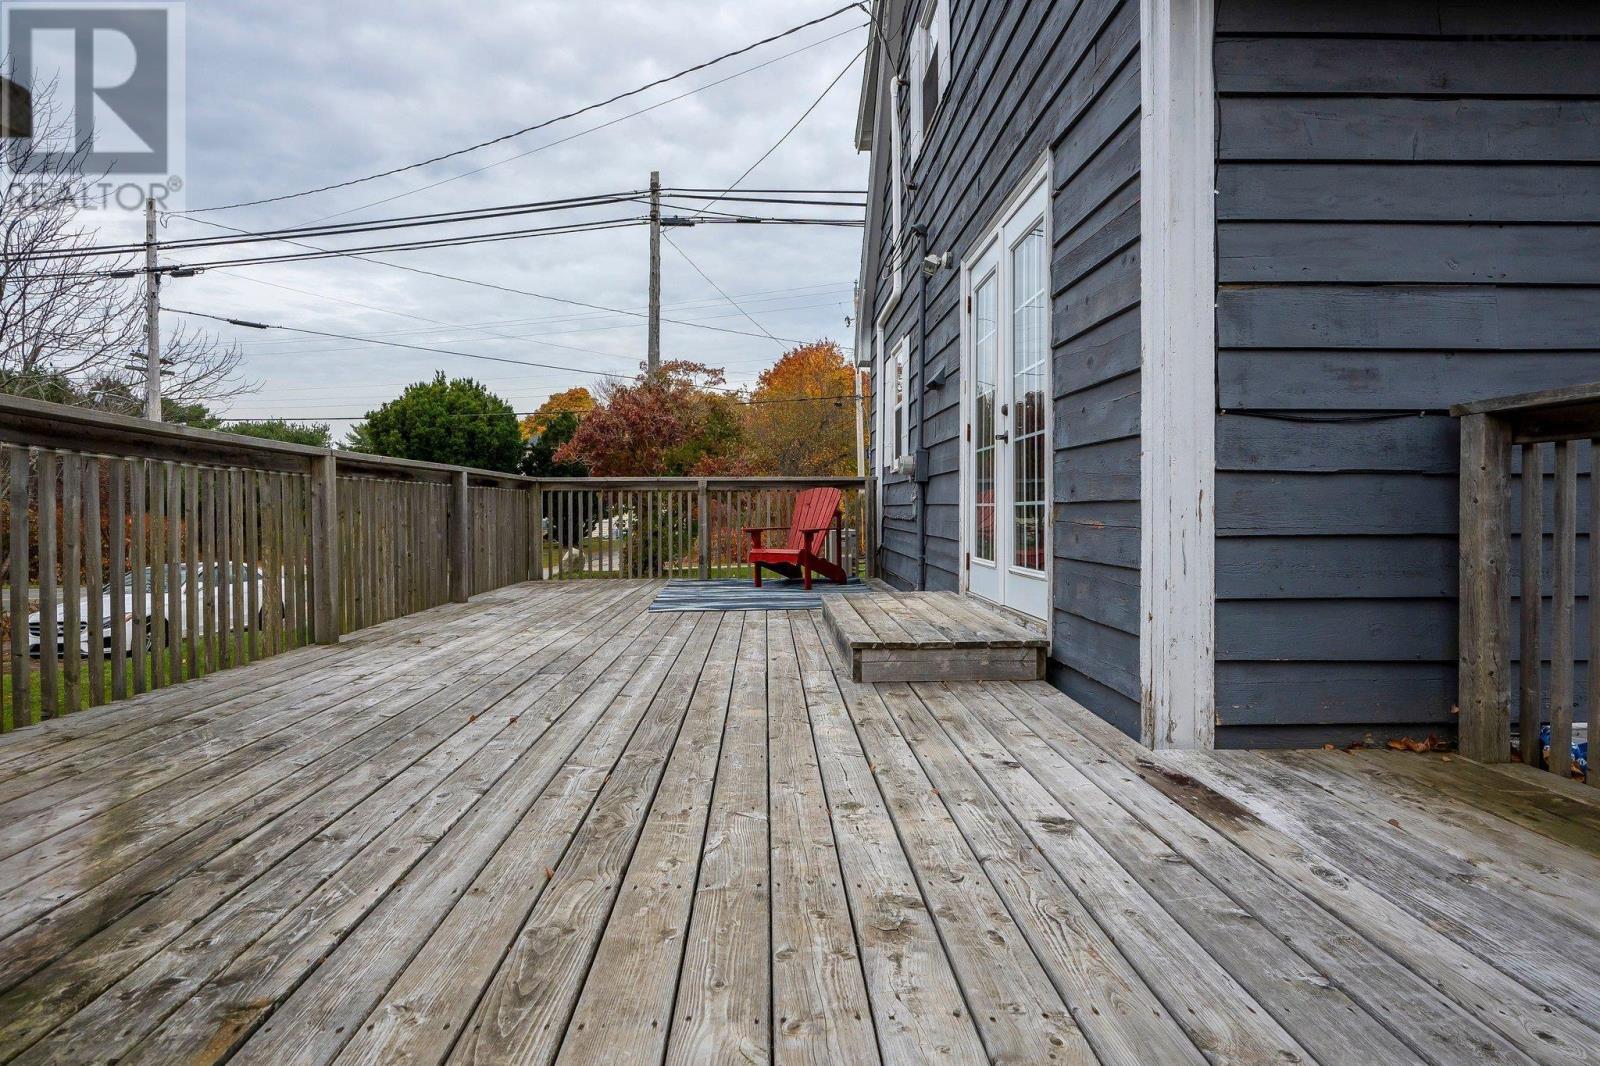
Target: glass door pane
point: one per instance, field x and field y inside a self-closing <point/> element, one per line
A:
<point x="985" y="389"/>
<point x="1030" y="357"/>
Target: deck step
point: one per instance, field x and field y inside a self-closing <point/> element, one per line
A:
<point x="886" y="635"/>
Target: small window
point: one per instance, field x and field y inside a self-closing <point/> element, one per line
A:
<point x="930" y="68"/>
<point x="901" y="399"/>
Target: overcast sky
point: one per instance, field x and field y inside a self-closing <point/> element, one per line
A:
<point x="284" y="97"/>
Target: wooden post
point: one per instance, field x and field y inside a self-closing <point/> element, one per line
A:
<point x="536" y="535"/>
<point x="1485" y="545"/>
<point x="1530" y="698"/>
<point x="460" y="538"/>
<point x="869" y="526"/>
<point x="705" y="531"/>
<point x="325" y="549"/>
<point x="1565" y="587"/>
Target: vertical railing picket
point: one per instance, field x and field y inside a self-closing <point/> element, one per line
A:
<point x="21" y="674"/>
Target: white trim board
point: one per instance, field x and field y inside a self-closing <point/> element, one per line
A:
<point x="1177" y="408"/>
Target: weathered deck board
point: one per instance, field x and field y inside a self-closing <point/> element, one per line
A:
<point x="550" y="825"/>
<point x="884" y="635"/>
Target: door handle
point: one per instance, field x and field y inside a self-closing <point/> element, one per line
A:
<point x="1003" y="436"/>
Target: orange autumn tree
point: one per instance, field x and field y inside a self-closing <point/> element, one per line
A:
<point x="577" y="401"/>
<point x="676" y="422"/>
<point x="801" y="420"/>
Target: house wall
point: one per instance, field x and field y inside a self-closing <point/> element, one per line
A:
<point x="1408" y="216"/>
<point x="1028" y="79"/>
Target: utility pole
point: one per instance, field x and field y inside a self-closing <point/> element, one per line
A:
<point x="653" y="351"/>
<point x="152" y="317"/>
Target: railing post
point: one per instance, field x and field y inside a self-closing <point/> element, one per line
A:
<point x="869" y="526"/>
<point x="705" y="531"/>
<point x="537" y="536"/>
<point x="325" y="549"/>
<point x="460" y="538"/>
<point x="1485" y="545"/>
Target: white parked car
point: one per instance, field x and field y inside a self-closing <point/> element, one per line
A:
<point x="224" y="571"/>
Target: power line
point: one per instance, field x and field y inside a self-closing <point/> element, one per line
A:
<point x="520" y="292"/>
<point x="534" y="336"/>
<point x="796" y="125"/>
<point x="719" y="289"/>
<point x="837" y="400"/>
<point x="536" y="126"/>
<point x="440" y="218"/>
<point x="582" y="321"/>
<point x="247" y="324"/>
<point x="585" y="132"/>
<point x="597" y="225"/>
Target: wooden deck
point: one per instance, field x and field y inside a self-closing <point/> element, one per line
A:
<point x="551" y="826"/>
<point x="885" y="635"/>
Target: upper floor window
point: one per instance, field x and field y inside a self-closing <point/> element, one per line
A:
<point x="930" y="68"/>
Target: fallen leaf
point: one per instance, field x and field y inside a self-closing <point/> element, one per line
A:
<point x="1395" y="822"/>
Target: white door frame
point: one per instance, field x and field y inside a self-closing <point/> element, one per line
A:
<point x="1037" y="179"/>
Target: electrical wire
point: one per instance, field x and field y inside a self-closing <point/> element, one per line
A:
<point x="528" y="292"/>
<point x="796" y="125"/>
<point x="585" y="132"/>
<point x="248" y="324"/>
<point x="836" y="400"/>
<point x="536" y="126"/>
<point x="714" y="285"/>
<point x="373" y="225"/>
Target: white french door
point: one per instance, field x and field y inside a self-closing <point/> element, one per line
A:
<point x="1007" y="438"/>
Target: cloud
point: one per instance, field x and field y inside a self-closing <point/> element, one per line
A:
<point x="283" y="97"/>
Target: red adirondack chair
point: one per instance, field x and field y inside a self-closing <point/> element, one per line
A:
<point x="816" y="511"/>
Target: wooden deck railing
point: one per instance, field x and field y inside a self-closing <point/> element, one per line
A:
<point x="682" y="527"/>
<point x="1504" y="444"/>
<point x="109" y="523"/>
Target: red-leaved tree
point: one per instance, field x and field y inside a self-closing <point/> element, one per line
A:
<point x="676" y="422"/>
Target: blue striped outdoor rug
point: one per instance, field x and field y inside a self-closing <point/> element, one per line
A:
<point x="738" y="594"/>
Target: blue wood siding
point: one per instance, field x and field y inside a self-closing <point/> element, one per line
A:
<point x="1029" y="79"/>
<point x="1408" y="216"/>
